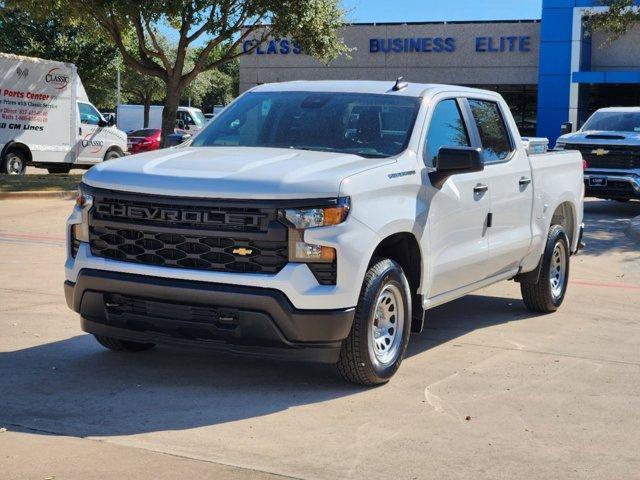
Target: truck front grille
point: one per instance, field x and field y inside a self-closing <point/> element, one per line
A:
<point x="608" y="156"/>
<point x="187" y="233"/>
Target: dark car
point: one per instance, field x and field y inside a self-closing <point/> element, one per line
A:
<point x="176" y="139"/>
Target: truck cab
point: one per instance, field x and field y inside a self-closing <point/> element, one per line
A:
<point x="320" y="221"/>
<point x="609" y="142"/>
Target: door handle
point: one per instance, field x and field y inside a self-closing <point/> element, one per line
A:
<point x="480" y="188"/>
<point x="524" y="181"/>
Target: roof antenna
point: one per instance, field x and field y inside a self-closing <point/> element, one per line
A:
<point x="399" y="84"/>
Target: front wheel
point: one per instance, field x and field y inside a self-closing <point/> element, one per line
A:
<point x="112" y="155"/>
<point x="547" y="294"/>
<point x="375" y="347"/>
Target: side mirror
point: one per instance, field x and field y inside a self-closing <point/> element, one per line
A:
<point x="455" y="160"/>
<point x="186" y="127"/>
<point x="102" y="123"/>
<point x="180" y="124"/>
<point x="566" y="127"/>
<point x="112" y="121"/>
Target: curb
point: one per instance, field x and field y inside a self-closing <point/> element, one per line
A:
<point x="633" y="230"/>
<point x="60" y="194"/>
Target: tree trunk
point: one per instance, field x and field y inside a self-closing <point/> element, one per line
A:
<point x="147" y="108"/>
<point x="171" y="102"/>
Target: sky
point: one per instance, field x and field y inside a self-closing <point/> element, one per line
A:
<point x="367" y="11"/>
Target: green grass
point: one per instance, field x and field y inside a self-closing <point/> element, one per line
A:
<point x="47" y="182"/>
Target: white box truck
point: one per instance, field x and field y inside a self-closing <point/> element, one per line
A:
<point x="47" y="120"/>
<point x="131" y="117"/>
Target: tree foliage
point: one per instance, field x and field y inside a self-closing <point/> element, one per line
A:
<point x="219" y="26"/>
<point x="620" y="16"/>
<point x="53" y="38"/>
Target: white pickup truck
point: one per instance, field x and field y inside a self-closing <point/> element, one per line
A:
<point x="320" y="221"/>
<point x="610" y="145"/>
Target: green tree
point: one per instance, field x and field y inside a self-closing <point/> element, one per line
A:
<point x="220" y="26"/>
<point x="616" y="21"/>
<point x="52" y="38"/>
<point x="140" y="88"/>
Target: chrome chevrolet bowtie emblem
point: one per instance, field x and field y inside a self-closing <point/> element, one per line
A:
<point x="600" y="152"/>
<point x="242" y="251"/>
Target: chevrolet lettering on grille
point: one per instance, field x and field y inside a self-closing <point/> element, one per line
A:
<point x="132" y="212"/>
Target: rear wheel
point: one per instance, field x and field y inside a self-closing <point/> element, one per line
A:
<point x="547" y="294"/>
<point x="123" y="345"/>
<point x="375" y="347"/>
<point x="13" y="163"/>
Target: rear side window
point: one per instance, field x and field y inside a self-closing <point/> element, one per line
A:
<point x="447" y="129"/>
<point x="492" y="129"/>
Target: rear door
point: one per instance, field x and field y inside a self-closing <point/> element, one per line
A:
<point x="510" y="185"/>
<point x="458" y="211"/>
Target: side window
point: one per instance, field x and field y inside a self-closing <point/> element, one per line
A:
<point x="447" y="129"/>
<point x="88" y="114"/>
<point x="492" y="129"/>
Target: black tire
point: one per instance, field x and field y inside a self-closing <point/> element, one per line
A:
<point x="13" y="163"/>
<point x="59" y="169"/>
<point x="118" y="345"/>
<point x="539" y="297"/>
<point x="358" y="362"/>
<point x="112" y="155"/>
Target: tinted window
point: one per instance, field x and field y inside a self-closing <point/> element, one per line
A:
<point x="88" y="114"/>
<point x="492" y="129"/>
<point x="447" y="129"/>
<point x="369" y="125"/>
<point x="614" y="122"/>
<point x="145" y="132"/>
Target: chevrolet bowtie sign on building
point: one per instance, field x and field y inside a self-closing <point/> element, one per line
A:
<point x="549" y="70"/>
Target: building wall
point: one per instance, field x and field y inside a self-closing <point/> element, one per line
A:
<point x="470" y="62"/>
<point x="623" y="54"/>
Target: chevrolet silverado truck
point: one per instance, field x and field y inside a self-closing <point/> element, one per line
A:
<point x="610" y="145"/>
<point x="319" y="221"/>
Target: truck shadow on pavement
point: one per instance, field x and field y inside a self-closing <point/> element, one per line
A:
<point x="74" y="387"/>
<point x="605" y="227"/>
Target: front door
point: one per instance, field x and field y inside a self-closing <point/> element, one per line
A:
<point x="91" y="145"/>
<point x="458" y="211"/>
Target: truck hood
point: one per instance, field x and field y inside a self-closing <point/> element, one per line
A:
<point x="231" y="172"/>
<point x="590" y="137"/>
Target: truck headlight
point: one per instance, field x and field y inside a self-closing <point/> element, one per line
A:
<point x="84" y="202"/>
<point x="299" y="219"/>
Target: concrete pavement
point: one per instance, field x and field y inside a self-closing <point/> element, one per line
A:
<point x="488" y="390"/>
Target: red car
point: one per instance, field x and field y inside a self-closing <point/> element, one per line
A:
<point x="143" y="140"/>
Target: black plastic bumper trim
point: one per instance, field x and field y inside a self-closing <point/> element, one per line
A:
<point x="266" y="312"/>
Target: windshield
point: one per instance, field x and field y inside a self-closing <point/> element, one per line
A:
<point x="198" y="117"/>
<point x="363" y="124"/>
<point x="614" y="122"/>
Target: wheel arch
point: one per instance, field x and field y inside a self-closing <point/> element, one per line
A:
<point x="404" y="248"/>
<point x="14" y="145"/>
<point x="113" y="148"/>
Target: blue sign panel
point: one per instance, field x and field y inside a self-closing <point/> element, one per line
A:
<point x="281" y="47"/>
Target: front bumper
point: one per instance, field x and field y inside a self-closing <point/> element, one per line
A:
<point x="246" y="320"/>
<point x="620" y="185"/>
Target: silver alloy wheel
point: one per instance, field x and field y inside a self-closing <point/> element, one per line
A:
<point x="558" y="270"/>
<point x="14" y="164"/>
<point x="388" y="325"/>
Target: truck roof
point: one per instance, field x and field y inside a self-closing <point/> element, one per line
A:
<point x="362" y="86"/>
<point x="21" y="58"/>
<point x="619" y="109"/>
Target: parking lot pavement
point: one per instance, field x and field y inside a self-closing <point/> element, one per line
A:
<point x="488" y="390"/>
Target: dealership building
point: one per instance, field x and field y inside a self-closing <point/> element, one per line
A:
<point x="550" y="71"/>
